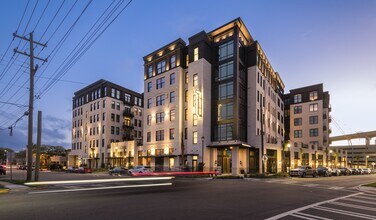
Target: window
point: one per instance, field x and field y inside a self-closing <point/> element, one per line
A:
<point x="186" y="78"/>
<point x="117" y="105"/>
<point x="150" y="85"/>
<point x="185" y="114"/>
<point x="313" y="119"/>
<point x="160" y="117"/>
<point x="118" y="118"/>
<point x="172" y="115"/>
<point x="148" y="121"/>
<point x="172" y="134"/>
<point x="225" y="111"/>
<point x="313" y="107"/>
<point x="195" y="137"/>
<point x="102" y="142"/>
<point x="127" y="97"/>
<point x="297" y="109"/>
<point x="160" y="100"/>
<point x="297" y="98"/>
<point x="117" y="94"/>
<point x="103" y="129"/>
<point x="226" y="70"/>
<point x="148" y="137"/>
<point x="297" y="121"/>
<point x="160" y="83"/>
<point x="159" y="135"/>
<point x="225" y="132"/>
<point x="313" y="96"/>
<point x="195" y="118"/>
<point x="112" y="117"/>
<point x="113" y="93"/>
<point x="195" y="80"/>
<point x="226" y="50"/>
<point x="172" y="61"/>
<point x="150" y="71"/>
<point x="195" y="54"/>
<point x="112" y="104"/>
<point x="112" y="130"/>
<point x="226" y="91"/>
<point x="185" y="133"/>
<point x="149" y="103"/>
<point x="186" y="96"/>
<point x="161" y="66"/>
<point x="172" y="78"/>
<point x="314" y="132"/>
<point x="297" y="133"/>
<point x="117" y="131"/>
<point x="172" y="97"/>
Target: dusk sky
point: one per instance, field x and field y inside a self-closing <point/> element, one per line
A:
<point x="307" y="42"/>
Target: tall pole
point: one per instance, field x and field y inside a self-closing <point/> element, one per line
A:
<point x="11" y="160"/>
<point x="262" y="137"/>
<point x="31" y="99"/>
<point x="39" y="138"/>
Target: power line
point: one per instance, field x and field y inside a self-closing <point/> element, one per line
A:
<point x="40" y="18"/>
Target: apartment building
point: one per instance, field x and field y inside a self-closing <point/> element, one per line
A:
<point x="307" y="111"/>
<point x="204" y="103"/>
<point x="103" y="113"/>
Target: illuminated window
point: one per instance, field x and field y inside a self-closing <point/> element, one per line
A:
<point x="160" y="83"/>
<point x="226" y="50"/>
<point x="297" y="98"/>
<point x="195" y="137"/>
<point x="185" y="114"/>
<point x="226" y="70"/>
<point x="195" y="120"/>
<point x="313" y="107"/>
<point x="150" y="71"/>
<point x="186" y="60"/>
<point x="195" y="54"/>
<point x="186" y="96"/>
<point x="150" y="85"/>
<point x="195" y="80"/>
<point x="161" y="66"/>
<point x="172" y="61"/>
<point x="172" y="115"/>
<point x="313" y="95"/>
<point x="186" y="77"/>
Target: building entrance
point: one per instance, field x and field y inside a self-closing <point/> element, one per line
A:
<point x="224" y="160"/>
<point x="159" y="164"/>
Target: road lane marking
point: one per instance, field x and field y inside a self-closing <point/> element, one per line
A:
<point x="313" y="216"/>
<point x="361" y="201"/>
<point x="336" y="187"/>
<point x="310" y="206"/>
<point x="354" y="206"/>
<point x="344" y="212"/>
<point x="102" y="188"/>
<point x="97" y="181"/>
<point x="365" y="197"/>
<point x="302" y="217"/>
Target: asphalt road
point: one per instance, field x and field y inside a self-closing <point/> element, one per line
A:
<point x="190" y="199"/>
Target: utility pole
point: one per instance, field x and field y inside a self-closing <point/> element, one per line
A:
<point x="39" y="137"/>
<point x="33" y="70"/>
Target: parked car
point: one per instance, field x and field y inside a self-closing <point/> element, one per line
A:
<point x="345" y="171"/>
<point x="118" y="171"/>
<point x="336" y="172"/>
<point x="303" y="171"/>
<point x="2" y="170"/>
<point x="140" y="169"/>
<point x="22" y="167"/>
<point x="354" y="171"/>
<point x="324" y="171"/>
<point x="83" y="170"/>
<point x="366" y="170"/>
<point x="360" y="171"/>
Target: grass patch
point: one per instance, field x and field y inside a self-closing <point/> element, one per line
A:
<point x="371" y="185"/>
<point x="19" y="182"/>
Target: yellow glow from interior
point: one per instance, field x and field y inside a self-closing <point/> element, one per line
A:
<point x="166" y="150"/>
<point x="152" y="151"/>
<point x="172" y="47"/>
<point x="149" y="58"/>
<point x="160" y="53"/>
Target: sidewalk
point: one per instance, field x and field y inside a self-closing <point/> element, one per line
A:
<point x="10" y="187"/>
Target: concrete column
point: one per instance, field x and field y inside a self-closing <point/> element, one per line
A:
<point x="235" y="161"/>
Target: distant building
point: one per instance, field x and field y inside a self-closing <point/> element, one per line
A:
<point x="307" y="113"/>
<point x="204" y="102"/>
<point x="103" y="113"/>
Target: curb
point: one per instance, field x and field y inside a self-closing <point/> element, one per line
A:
<point x="366" y="189"/>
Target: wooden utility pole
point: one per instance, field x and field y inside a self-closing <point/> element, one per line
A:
<point x="33" y="70"/>
<point x="39" y="138"/>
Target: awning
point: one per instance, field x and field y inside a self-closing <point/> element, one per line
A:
<point x="225" y="144"/>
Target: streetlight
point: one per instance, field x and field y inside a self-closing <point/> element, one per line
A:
<point x="367" y="161"/>
<point x="202" y="151"/>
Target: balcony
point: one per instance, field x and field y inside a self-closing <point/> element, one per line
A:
<point x="128" y="126"/>
<point x="128" y="113"/>
<point x="128" y="137"/>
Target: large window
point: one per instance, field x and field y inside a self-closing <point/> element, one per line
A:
<point x="225" y="111"/>
<point x="314" y="132"/>
<point x="172" y="97"/>
<point x="226" y="50"/>
<point x="297" y="121"/>
<point x="297" y="133"/>
<point x="313" y="96"/>
<point x="226" y="90"/>
<point x="172" y="115"/>
<point x="172" y="78"/>
<point x="161" y="66"/>
<point x="172" y="134"/>
<point x="195" y="54"/>
<point x="160" y="100"/>
<point x="298" y="109"/>
<point x="226" y="70"/>
<point x="159" y="135"/>
<point x="160" y="83"/>
<point x="224" y="132"/>
<point x="195" y="137"/>
<point x="297" y="98"/>
<point x="150" y="71"/>
<point x="148" y="137"/>
<point x="313" y="119"/>
<point x="148" y="121"/>
<point x="195" y="80"/>
<point x="173" y="61"/>
<point x="195" y="120"/>
<point x="112" y="104"/>
<point x="127" y="97"/>
<point x="313" y="107"/>
<point x="149" y="103"/>
<point x="150" y="86"/>
<point x="160" y="117"/>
